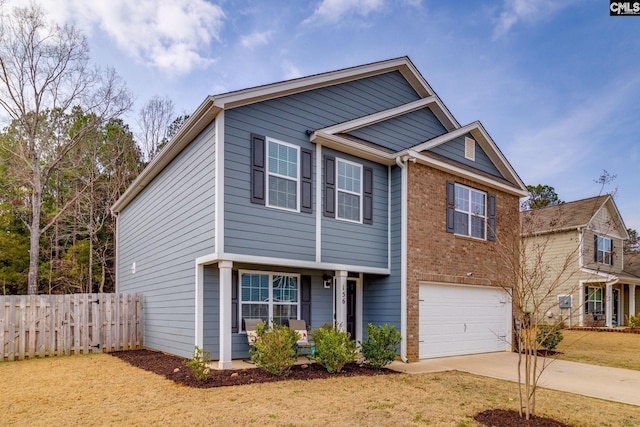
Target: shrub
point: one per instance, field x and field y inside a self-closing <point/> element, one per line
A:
<point x="379" y="349"/>
<point x="199" y="364"/>
<point x="549" y="336"/>
<point x="634" y="321"/>
<point x="334" y="348"/>
<point x="275" y="350"/>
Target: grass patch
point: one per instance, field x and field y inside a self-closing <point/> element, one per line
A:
<point x="601" y="348"/>
<point x="103" y="390"/>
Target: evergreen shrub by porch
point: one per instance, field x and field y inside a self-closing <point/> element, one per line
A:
<point x="334" y="348"/>
<point x="633" y="321"/>
<point x="549" y="336"/>
<point x="275" y="349"/>
<point x="380" y="347"/>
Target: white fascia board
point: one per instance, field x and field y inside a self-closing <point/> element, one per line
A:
<point x="285" y="262"/>
<point x="486" y="142"/>
<point x="465" y="173"/>
<point x="200" y="119"/>
<point x="351" y="147"/>
<point x="288" y="87"/>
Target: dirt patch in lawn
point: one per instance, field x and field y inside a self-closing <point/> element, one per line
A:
<point x="506" y="418"/>
<point x="172" y="367"/>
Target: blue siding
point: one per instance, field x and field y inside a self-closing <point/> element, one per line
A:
<point x="360" y="244"/>
<point x="454" y="150"/>
<point x="258" y="230"/>
<point x="163" y="230"/>
<point x="211" y="311"/>
<point x="381" y="294"/>
<point x="404" y="131"/>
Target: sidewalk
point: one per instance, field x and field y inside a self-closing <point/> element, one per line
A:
<point x="614" y="384"/>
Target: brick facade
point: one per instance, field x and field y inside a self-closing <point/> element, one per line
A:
<point x="437" y="256"/>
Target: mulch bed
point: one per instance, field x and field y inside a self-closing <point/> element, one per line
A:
<point x="507" y="418"/>
<point x="171" y="367"/>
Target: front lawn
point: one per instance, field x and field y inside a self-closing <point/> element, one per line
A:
<point x="615" y="349"/>
<point x="103" y="390"/>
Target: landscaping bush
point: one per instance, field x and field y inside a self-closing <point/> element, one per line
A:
<point x="199" y="364"/>
<point x="633" y="321"/>
<point x="333" y="348"/>
<point x="275" y="350"/>
<point x="548" y="337"/>
<point x="379" y="349"/>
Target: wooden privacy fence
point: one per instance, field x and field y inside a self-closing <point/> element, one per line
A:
<point x="54" y="325"/>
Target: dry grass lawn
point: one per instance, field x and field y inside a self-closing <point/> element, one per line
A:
<point x="601" y="348"/>
<point x="103" y="390"/>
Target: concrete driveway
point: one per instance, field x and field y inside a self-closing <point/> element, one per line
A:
<point x="615" y="384"/>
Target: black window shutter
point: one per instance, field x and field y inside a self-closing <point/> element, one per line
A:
<point x="611" y="257"/>
<point x="330" y="186"/>
<point x="451" y="206"/>
<point x="234" y="302"/>
<point x="258" y="178"/>
<point x="306" y="180"/>
<point x="595" y="248"/>
<point x="492" y="217"/>
<point x="367" y="202"/>
<point x="305" y="299"/>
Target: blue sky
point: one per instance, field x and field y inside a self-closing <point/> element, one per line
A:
<point x="556" y="83"/>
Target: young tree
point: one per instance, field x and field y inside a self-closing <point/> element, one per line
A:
<point x="44" y="73"/>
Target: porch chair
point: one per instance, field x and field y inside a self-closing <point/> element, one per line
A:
<point x="303" y="344"/>
<point x="251" y="327"/>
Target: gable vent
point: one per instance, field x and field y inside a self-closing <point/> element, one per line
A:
<point x="469" y="149"/>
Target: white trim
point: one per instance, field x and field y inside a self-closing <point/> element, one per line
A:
<point x="632" y="300"/>
<point x="277" y="175"/>
<point x="318" y="185"/>
<point x="338" y="190"/>
<point x="341" y="299"/>
<point x="116" y="257"/>
<point x="199" y="309"/>
<point x="225" y="292"/>
<point x="437" y="164"/>
<point x="402" y="164"/>
<point x="253" y="259"/>
<point x="218" y="209"/>
<point x="389" y="181"/>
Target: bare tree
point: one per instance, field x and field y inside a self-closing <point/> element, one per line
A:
<point x="154" y="120"/>
<point x="44" y="74"/>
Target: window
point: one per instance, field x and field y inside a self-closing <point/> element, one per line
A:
<point x="604" y="250"/>
<point x="282" y="172"/>
<point x="470" y="217"/>
<point x="269" y="296"/>
<point x="593" y="301"/>
<point x="349" y="190"/>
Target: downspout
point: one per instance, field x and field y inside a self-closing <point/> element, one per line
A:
<point x="402" y="164"/>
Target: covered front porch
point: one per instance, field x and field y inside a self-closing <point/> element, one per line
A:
<point x="610" y="303"/>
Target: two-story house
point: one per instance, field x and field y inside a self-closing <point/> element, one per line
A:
<point x="579" y="246"/>
<point x="352" y="196"/>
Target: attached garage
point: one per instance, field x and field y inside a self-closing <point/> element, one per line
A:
<point x="460" y="319"/>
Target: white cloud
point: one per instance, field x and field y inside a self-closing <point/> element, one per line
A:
<point x="333" y="10"/>
<point x="256" y="39"/>
<point x="527" y="11"/>
<point x="291" y="71"/>
<point x="171" y="35"/>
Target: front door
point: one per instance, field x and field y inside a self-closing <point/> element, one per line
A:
<point x="615" y="302"/>
<point x="351" y="307"/>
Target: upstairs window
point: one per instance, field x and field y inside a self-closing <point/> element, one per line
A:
<point x="471" y="212"/>
<point x="282" y="172"/>
<point x="349" y="190"/>
<point x="603" y="248"/>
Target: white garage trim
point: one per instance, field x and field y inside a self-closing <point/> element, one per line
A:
<point x="463" y="319"/>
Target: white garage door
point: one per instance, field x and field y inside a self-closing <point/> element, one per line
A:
<point x="457" y="320"/>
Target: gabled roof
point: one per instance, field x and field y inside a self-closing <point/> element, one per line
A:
<point x="570" y="216"/>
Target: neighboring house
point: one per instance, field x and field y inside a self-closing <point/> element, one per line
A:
<point x="583" y="252"/>
<point x="351" y="196"/>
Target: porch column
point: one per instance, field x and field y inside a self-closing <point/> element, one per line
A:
<point x="632" y="300"/>
<point x="341" y="299"/>
<point x="608" y="309"/>
<point x="224" y="361"/>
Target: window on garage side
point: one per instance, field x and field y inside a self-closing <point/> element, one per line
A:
<point x="269" y="296"/>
